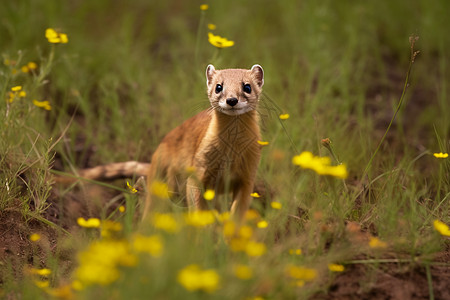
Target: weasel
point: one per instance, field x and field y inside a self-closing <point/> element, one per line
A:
<point x="219" y="145"/>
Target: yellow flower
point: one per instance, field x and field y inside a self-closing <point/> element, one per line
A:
<point x="301" y="273"/>
<point x="321" y="165"/>
<point x="108" y="227"/>
<point x="229" y="228"/>
<point x="159" y="189"/>
<point x="35" y="237"/>
<point x="376" y="243"/>
<point x="89" y="223"/>
<point x="42" y="284"/>
<point x="204" y="7"/>
<point x="441" y="227"/>
<point x="16" y="88"/>
<point x="55" y="37"/>
<point x="32" y="65"/>
<point x="209" y="195"/>
<point x="200" y="218"/>
<point x="263" y="143"/>
<point x="251" y="214"/>
<point x="122" y="209"/>
<point x="25" y="69"/>
<point x="211" y="26"/>
<point x="242" y="272"/>
<point x="193" y="278"/>
<point x="335" y="268"/>
<point x="218" y="41"/>
<point x="284" y="116"/>
<point x="245" y="232"/>
<point x="165" y="222"/>
<point x="262" y="224"/>
<point x="255" y="249"/>
<point x="276" y="205"/>
<point x="255" y="195"/>
<point x="440" y="155"/>
<point x="99" y="263"/>
<point x="42" y="104"/>
<point x="131" y="188"/>
<point x="41" y="272"/>
<point x="295" y="251"/>
<point x="152" y="245"/>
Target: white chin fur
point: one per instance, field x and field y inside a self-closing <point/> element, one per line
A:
<point x="235" y="110"/>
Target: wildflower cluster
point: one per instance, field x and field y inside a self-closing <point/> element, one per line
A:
<point x="56" y="37"/>
<point x="16" y="93"/>
<point x="321" y="165"/>
<point x="193" y="278"/>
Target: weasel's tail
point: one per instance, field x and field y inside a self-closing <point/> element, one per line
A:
<point x="114" y="171"/>
<point x="111" y="171"/>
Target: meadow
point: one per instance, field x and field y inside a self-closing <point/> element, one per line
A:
<point x="364" y="83"/>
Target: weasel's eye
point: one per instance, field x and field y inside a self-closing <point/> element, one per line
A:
<point x="247" y="88"/>
<point x="219" y="88"/>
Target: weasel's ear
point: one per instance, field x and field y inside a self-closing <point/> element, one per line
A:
<point x="258" y="72"/>
<point x="209" y="73"/>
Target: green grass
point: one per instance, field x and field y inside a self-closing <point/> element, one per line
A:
<point x="131" y="72"/>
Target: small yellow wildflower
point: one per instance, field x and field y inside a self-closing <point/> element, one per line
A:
<point x="200" y="218"/>
<point x="89" y="223"/>
<point x="376" y="243"/>
<point x="42" y="104"/>
<point x="41" y="272"/>
<point x="165" y="222"/>
<point x="55" y="37"/>
<point x="255" y="195"/>
<point x="336" y="268"/>
<point x="159" y="189"/>
<point x="295" y="251"/>
<point x="35" y="237"/>
<point x="204" y="7"/>
<point x="243" y="272"/>
<point x="152" y="245"/>
<point x="122" y="209"/>
<point x="321" y="165"/>
<point x="99" y="263"/>
<point x="245" y="232"/>
<point x="251" y="214"/>
<point x="16" y="88"/>
<point x="440" y="155"/>
<point x="212" y="26"/>
<point x="42" y="284"/>
<point x="209" y="195"/>
<point x="108" y="228"/>
<point x="441" y="227"/>
<point x="22" y="94"/>
<point x="193" y="278"/>
<point x="262" y="224"/>
<point x="263" y="143"/>
<point x="301" y="273"/>
<point x="131" y="188"/>
<point x="218" y="41"/>
<point x="255" y="249"/>
<point x="32" y="65"/>
<point x="284" y="116"/>
<point x="25" y="69"/>
<point x="276" y="205"/>
<point x="229" y="228"/>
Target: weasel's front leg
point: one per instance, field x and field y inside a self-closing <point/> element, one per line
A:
<point x="241" y="200"/>
<point x="194" y="195"/>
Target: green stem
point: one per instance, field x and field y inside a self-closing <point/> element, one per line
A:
<point x="399" y="105"/>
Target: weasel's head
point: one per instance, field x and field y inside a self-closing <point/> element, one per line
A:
<point x="234" y="91"/>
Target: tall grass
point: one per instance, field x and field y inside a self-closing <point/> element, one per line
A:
<point x="131" y="72"/>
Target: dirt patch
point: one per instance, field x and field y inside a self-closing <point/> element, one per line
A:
<point x="389" y="282"/>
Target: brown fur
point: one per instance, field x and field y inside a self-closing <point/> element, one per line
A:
<point x="219" y="144"/>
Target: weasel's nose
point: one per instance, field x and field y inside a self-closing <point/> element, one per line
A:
<point x="232" y="101"/>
